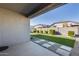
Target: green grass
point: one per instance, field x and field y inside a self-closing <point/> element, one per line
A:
<point x="61" y="40"/>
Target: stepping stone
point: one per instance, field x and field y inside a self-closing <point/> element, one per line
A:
<point x="46" y="45"/>
<point x="51" y="43"/>
<point x="42" y="42"/>
<point x="62" y="52"/>
<point x="54" y="47"/>
<point x="66" y="48"/>
<point x="56" y="44"/>
<point x="34" y="39"/>
<point x="37" y="41"/>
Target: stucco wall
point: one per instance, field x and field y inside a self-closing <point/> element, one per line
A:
<point x="14" y="27"/>
<point x="65" y="30"/>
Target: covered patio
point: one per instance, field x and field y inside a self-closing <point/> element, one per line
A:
<point x="15" y="28"/>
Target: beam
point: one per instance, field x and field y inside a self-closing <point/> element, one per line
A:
<point x="38" y="8"/>
<point x="45" y="9"/>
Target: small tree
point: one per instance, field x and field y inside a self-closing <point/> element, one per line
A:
<point x="51" y="32"/>
<point x="71" y="33"/>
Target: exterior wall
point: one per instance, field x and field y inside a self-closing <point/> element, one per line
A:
<point x="14" y="28"/>
<point x="65" y="30"/>
<point x="59" y="25"/>
<point x="38" y="26"/>
<point x="69" y="24"/>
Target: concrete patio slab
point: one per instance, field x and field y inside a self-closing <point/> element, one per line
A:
<point x="52" y="43"/>
<point x="28" y="49"/>
<point x="42" y="40"/>
<point x="75" y="50"/>
<point x="63" y="52"/>
<point x="37" y="41"/>
<point x="53" y="47"/>
<point x="66" y="48"/>
<point x="46" y="45"/>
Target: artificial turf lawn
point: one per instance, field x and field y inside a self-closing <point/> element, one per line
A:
<point x="64" y="41"/>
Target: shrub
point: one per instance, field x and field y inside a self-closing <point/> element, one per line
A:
<point x="51" y="31"/>
<point x="34" y="31"/>
<point x="41" y="31"/>
<point x="71" y="33"/>
<point x="37" y="31"/>
<point x="46" y="32"/>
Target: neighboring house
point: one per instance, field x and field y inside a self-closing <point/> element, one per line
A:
<point x="41" y="26"/>
<point x="62" y="27"/>
<point x="65" y="24"/>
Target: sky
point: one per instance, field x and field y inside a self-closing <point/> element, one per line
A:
<point x="67" y="12"/>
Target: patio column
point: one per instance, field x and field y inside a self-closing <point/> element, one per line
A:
<point x="14" y="28"/>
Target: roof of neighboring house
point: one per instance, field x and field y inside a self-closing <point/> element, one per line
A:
<point x="47" y="26"/>
<point x="64" y="22"/>
<point x="74" y="25"/>
<point x="41" y="26"/>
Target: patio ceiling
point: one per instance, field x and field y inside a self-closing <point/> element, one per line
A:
<point x="30" y="9"/>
